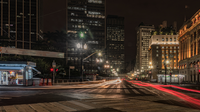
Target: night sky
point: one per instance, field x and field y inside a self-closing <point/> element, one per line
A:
<point x="135" y="11"/>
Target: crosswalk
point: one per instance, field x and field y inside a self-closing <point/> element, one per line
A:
<point x="114" y="89"/>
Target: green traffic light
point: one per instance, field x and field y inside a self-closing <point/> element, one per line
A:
<point x="81" y="35"/>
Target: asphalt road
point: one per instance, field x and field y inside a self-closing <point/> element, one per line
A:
<point x="110" y="96"/>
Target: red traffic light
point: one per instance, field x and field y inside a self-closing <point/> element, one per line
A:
<point x="56" y="70"/>
<point x="51" y="69"/>
<point x="199" y="71"/>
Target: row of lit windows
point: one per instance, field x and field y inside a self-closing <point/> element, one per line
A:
<point x="170" y="39"/>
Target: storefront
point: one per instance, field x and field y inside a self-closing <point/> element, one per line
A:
<point x="176" y="78"/>
<point x="17" y="73"/>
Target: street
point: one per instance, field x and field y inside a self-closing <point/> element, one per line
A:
<point x="110" y="96"/>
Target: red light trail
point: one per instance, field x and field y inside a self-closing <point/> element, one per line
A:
<point x="172" y="92"/>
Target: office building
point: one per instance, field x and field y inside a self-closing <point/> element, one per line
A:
<point x="115" y="51"/>
<point x="142" y="59"/>
<point x="86" y="18"/>
<point x="20" y="22"/>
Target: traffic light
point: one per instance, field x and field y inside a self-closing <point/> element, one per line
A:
<point x="170" y="74"/>
<point x="199" y="71"/>
<point x="51" y="69"/>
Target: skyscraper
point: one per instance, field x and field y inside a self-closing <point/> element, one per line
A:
<point x="86" y="17"/>
<point x="115" y="42"/>
<point x="19" y="22"/>
<point x="143" y="37"/>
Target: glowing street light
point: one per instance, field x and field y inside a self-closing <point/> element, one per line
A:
<point x="78" y="45"/>
<point x="85" y="46"/>
<point x="99" y="54"/>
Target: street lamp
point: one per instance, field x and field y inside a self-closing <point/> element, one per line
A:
<point x="99" y="54"/>
<point x="81" y="47"/>
<point x="106" y="67"/>
<point x="166" y="62"/>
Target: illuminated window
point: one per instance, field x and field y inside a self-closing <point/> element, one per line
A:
<point x="174" y="61"/>
<point x="157" y="55"/>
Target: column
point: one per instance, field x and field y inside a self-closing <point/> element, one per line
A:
<point x="180" y="51"/>
<point x="189" y="45"/>
<point x="196" y="44"/>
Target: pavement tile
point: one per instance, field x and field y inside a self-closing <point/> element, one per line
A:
<point x="66" y="108"/>
<point x="24" y="108"/>
<point x="38" y="108"/>
<point x="71" y="105"/>
<point x="10" y="109"/>
<point x="50" y="107"/>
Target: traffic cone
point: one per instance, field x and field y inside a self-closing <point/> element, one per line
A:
<point x="33" y="83"/>
<point x="49" y="82"/>
<point x="41" y="82"/>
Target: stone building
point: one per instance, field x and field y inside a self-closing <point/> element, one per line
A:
<point x="189" y="38"/>
<point x="163" y="49"/>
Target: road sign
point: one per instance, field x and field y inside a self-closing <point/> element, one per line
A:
<point x="71" y="67"/>
<point x="54" y="64"/>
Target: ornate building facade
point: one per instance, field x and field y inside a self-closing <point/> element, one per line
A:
<point x="189" y="38"/>
<point x="163" y="48"/>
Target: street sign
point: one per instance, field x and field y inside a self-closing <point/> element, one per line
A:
<point x="54" y="64"/>
<point x="71" y="67"/>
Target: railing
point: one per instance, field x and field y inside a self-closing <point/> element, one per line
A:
<point x="75" y="81"/>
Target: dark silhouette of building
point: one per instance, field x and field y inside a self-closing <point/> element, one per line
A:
<point x="115" y="42"/>
<point x="20" y="22"/>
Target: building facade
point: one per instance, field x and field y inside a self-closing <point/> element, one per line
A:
<point x="115" y="42"/>
<point x="143" y="37"/>
<point x="20" y="22"/>
<point x="189" y="38"/>
<point x="164" y="49"/>
<point x="86" y="17"/>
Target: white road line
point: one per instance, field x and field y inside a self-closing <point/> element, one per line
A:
<point x="82" y="105"/>
<point x="144" y="91"/>
<point x="126" y="91"/>
<point x="135" y="91"/>
<point x="130" y="86"/>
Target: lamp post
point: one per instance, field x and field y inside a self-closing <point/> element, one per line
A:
<point x="150" y="68"/>
<point x="166" y="62"/>
<point x="81" y="47"/>
<point x="106" y="67"/>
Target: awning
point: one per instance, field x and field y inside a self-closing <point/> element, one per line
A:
<point x="10" y="68"/>
<point x="38" y="72"/>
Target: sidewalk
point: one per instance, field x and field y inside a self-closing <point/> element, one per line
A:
<point x="97" y="105"/>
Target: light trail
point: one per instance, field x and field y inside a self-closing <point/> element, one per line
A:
<point x="172" y="92"/>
